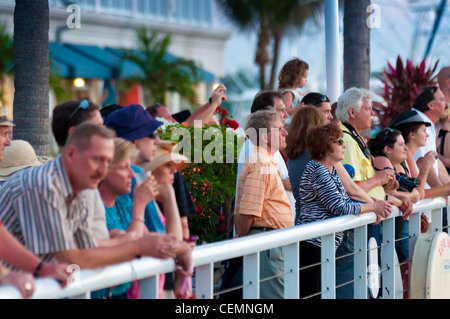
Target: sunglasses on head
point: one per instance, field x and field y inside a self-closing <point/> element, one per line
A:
<point x="386" y="133"/>
<point x="83" y="105"/>
<point x="323" y="98"/>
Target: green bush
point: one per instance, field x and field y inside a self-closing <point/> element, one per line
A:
<point x="213" y="152"/>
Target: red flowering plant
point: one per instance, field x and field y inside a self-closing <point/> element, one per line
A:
<point x="402" y="85"/>
<point x="213" y="152"/>
<point x="225" y="119"/>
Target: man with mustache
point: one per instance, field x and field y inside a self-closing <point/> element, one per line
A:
<point x="43" y="209"/>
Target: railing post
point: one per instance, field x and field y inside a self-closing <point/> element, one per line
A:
<point x="414" y="232"/>
<point x="360" y="263"/>
<point x="388" y="259"/>
<point x="149" y="287"/>
<point x="251" y="276"/>
<point x="291" y="269"/>
<point x="204" y="281"/>
<point x="328" y="267"/>
<point x="436" y="220"/>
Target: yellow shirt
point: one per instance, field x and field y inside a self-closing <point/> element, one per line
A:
<point x="261" y="192"/>
<point x="355" y="157"/>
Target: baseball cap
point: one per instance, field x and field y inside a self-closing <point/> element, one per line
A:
<point x="132" y="122"/>
<point x="406" y="119"/>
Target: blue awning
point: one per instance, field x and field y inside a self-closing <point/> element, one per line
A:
<point x="72" y="64"/>
<point x="88" y="61"/>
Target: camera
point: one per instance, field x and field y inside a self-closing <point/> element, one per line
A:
<point x="407" y="183"/>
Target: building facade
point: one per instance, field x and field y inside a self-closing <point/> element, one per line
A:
<point x="84" y="35"/>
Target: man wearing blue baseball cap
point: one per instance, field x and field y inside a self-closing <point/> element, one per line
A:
<point x="134" y="124"/>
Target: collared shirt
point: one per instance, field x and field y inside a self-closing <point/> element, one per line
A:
<point x="364" y="170"/>
<point x="261" y="194"/>
<point x="247" y="149"/>
<point x="96" y="217"/>
<point x="38" y="206"/>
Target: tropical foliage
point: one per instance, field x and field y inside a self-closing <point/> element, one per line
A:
<point x="402" y="84"/>
<point x="271" y="20"/>
<point x="161" y="72"/>
<point x="213" y="152"/>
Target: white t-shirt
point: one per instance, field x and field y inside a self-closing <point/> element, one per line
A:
<point x="429" y="146"/>
<point x="431" y="141"/>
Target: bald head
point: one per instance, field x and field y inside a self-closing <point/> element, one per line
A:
<point x="444" y="81"/>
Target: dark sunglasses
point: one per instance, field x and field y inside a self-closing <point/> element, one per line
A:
<point x="83" y="105"/>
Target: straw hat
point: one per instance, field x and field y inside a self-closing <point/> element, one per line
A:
<point x="165" y="153"/>
<point x="3" y="119"/>
<point x="19" y="155"/>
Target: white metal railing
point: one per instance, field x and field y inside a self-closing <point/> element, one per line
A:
<point x="147" y="269"/>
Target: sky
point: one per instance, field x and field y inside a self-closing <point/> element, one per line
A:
<point x="404" y="30"/>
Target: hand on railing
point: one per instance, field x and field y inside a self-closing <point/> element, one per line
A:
<point x="56" y="271"/>
<point x="383" y="209"/>
<point x="22" y="281"/>
<point x="158" y="245"/>
<point x="406" y="208"/>
<point x="184" y="271"/>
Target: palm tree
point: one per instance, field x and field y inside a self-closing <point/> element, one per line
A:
<point x="31" y="76"/>
<point x="161" y="72"/>
<point x="356" y="44"/>
<point x="270" y="19"/>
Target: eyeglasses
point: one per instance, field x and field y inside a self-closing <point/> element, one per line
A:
<point x="83" y="105"/>
<point x="340" y="142"/>
<point x="386" y="133"/>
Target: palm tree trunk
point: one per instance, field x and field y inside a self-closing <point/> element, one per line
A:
<point x="277" y="37"/>
<point x="31" y="78"/>
<point x="262" y="56"/>
<point x="356" y="44"/>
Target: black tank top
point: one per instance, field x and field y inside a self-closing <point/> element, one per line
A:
<point x="442" y="135"/>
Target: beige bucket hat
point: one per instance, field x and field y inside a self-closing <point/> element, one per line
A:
<point x="19" y="155"/>
<point x="165" y="153"/>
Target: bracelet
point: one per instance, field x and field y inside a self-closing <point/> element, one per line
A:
<point x="140" y="219"/>
<point x="3" y="272"/>
<point x="37" y="271"/>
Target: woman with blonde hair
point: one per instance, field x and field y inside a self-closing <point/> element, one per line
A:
<point x="124" y="214"/>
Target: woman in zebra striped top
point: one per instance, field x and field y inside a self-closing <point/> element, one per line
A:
<point x="323" y="197"/>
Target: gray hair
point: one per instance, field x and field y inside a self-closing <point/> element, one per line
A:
<point x="260" y="122"/>
<point x="353" y="97"/>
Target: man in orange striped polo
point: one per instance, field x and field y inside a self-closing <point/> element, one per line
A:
<point x="261" y="202"/>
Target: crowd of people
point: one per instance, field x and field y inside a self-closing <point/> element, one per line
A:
<point x="334" y="169"/>
<point x="115" y="191"/>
